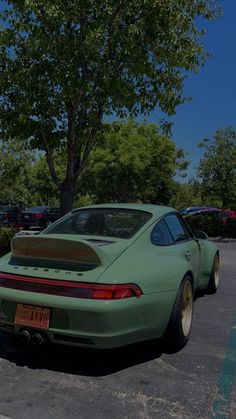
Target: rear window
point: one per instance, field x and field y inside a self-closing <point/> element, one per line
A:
<point x="36" y="209"/>
<point x="101" y="222"/>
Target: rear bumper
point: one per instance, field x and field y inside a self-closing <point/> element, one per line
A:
<point x="29" y="223"/>
<point x="93" y="323"/>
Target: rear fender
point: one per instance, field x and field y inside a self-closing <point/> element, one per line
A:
<point x="209" y="250"/>
<point x="160" y="274"/>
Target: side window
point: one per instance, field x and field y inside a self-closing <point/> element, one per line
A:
<point x="176" y="228"/>
<point x="186" y="227"/>
<point x="161" y="235"/>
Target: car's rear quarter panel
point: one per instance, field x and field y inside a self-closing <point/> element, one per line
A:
<point x="154" y="268"/>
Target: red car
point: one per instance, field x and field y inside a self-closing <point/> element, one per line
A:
<point x="207" y="211"/>
<point x="211" y="212"/>
<point x="229" y="213"/>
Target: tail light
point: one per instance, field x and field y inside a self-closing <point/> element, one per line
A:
<point x="37" y="215"/>
<point x="5" y="215"/>
<point x="115" y="292"/>
<point x="69" y="288"/>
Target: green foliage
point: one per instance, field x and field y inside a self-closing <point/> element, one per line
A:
<point x="185" y="195"/>
<point x="230" y="228"/>
<point x="213" y="226"/>
<point x="15" y="174"/>
<point x="65" y="65"/>
<point x="133" y="163"/>
<point x="217" y="169"/>
<point x="83" y="201"/>
<point x="6" y="235"/>
<point x="25" y="180"/>
<point x="43" y="190"/>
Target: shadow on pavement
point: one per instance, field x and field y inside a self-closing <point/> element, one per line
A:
<point x="82" y="361"/>
<point x="88" y="362"/>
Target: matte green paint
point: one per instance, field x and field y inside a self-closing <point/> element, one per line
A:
<point x="158" y="270"/>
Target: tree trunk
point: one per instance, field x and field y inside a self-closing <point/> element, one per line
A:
<point x="67" y="196"/>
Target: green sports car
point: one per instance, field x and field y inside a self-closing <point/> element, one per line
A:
<point x="106" y="276"/>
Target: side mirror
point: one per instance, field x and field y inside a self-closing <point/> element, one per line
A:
<point x="200" y="235"/>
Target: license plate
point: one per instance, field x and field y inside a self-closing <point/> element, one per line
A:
<point x="32" y="316"/>
<point x="26" y="216"/>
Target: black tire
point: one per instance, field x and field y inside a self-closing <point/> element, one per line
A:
<point x="179" y="327"/>
<point x="214" y="276"/>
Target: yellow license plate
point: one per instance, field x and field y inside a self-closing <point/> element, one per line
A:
<point x="32" y="316"/>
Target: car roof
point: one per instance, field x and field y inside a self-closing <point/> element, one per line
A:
<point x="156" y="210"/>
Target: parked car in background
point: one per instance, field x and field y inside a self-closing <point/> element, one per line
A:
<point x="106" y="276"/>
<point x="229" y="213"/>
<point x="208" y="212"/>
<point x="9" y="215"/>
<point x="189" y="210"/>
<point x="40" y="216"/>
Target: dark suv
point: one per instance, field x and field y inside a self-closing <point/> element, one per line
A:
<point x="38" y="217"/>
<point x="9" y="215"/>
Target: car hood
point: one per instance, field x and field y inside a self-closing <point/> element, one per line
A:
<point x="66" y="256"/>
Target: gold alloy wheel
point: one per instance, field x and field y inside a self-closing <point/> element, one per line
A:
<point x="187" y="308"/>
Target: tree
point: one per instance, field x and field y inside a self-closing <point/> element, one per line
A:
<point x="15" y="174"/>
<point x="24" y="177"/>
<point x="43" y="190"/>
<point x="185" y="195"/>
<point x="217" y="168"/>
<point x="68" y="64"/>
<point x="133" y="163"/>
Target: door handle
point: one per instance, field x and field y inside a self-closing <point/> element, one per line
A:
<point x="188" y="254"/>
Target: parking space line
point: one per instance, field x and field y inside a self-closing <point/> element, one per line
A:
<point x="221" y="404"/>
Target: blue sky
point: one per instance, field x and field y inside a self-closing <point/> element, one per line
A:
<point x="213" y="90"/>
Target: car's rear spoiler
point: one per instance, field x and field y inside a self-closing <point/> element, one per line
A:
<point x="55" y="249"/>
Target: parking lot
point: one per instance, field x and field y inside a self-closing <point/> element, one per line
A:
<point x="142" y="381"/>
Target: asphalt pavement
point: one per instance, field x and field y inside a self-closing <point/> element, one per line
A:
<point x="139" y="382"/>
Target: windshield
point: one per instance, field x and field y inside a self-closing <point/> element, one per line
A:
<point x="101" y="222"/>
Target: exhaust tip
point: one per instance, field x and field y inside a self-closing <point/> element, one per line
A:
<point x="25" y="336"/>
<point x="37" y="339"/>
